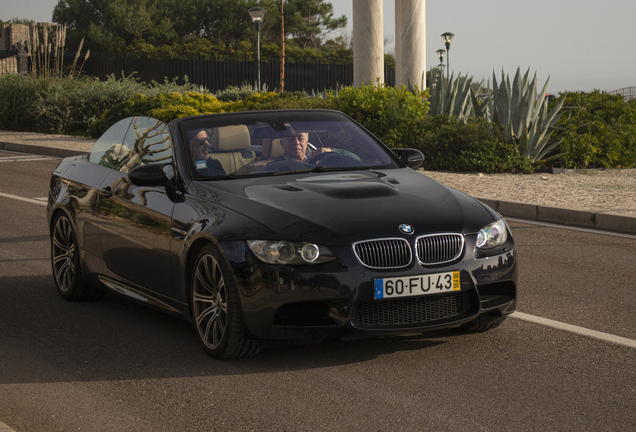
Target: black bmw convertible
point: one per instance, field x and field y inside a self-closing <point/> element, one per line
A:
<point x="290" y="224"/>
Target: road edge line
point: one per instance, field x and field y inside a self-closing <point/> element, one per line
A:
<point x="29" y="200"/>
<point x="5" y="428"/>
<point x="630" y="343"/>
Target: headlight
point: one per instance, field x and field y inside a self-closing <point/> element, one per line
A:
<point x="282" y="252"/>
<point x="492" y="235"/>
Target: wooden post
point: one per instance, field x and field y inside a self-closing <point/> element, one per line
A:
<point x="282" y="48"/>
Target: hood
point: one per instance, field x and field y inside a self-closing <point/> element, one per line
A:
<point x="340" y="208"/>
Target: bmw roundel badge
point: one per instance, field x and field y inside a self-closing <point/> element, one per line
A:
<point x="406" y="229"/>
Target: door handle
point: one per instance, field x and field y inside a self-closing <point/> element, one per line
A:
<point x="107" y="192"/>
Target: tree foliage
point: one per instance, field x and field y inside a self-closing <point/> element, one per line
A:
<point x="220" y="27"/>
<point x="16" y="20"/>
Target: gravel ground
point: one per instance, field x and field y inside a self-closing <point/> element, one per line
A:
<point x="608" y="191"/>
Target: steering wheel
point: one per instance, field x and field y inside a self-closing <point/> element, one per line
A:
<point x="315" y="159"/>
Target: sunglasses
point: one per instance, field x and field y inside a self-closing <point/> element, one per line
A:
<point x="201" y="141"/>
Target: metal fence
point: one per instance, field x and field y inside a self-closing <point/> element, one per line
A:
<point x="628" y="93"/>
<point x="219" y="74"/>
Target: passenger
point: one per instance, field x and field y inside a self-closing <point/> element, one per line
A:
<point x="199" y="146"/>
<point x="295" y="149"/>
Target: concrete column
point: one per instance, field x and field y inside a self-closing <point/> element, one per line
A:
<point x="368" y="42"/>
<point x="410" y="42"/>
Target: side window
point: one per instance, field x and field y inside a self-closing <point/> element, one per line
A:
<point x="147" y="141"/>
<point x="108" y="148"/>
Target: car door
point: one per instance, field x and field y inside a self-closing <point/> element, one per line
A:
<point x="135" y="221"/>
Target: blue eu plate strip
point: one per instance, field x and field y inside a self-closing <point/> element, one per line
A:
<point x="379" y="292"/>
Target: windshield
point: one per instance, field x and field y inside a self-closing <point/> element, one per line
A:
<point x="242" y="146"/>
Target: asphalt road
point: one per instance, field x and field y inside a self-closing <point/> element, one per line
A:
<point x="110" y="365"/>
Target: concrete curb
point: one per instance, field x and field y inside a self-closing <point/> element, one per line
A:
<point x="557" y="215"/>
<point x="41" y="150"/>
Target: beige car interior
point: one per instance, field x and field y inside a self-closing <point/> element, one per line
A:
<point x="272" y="149"/>
<point x="230" y="146"/>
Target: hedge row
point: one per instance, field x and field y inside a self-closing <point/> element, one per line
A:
<point x="599" y="130"/>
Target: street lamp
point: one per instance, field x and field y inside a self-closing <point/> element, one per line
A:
<point x="440" y="54"/>
<point x="448" y="37"/>
<point x="257" y="14"/>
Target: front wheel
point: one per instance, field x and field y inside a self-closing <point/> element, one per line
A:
<point x="66" y="264"/>
<point x="216" y="309"/>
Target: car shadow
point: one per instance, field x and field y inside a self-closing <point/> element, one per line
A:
<point x="47" y="339"/>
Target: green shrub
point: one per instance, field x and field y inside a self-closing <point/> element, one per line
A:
<point x="234" y="93"/>
<point x="393" y="114"/>
<point x="17" y="97"/>
<point x="68" y="106"/>
<point x="169" y="106"/>
<point x="450" y="144"/>
<point x="599" y="131"/>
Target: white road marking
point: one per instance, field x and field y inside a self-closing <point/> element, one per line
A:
<point x="24" y="159"/>
<point x="33" y="201"/>
<point x="576" y="329"/>
<point x="5" y="428"/>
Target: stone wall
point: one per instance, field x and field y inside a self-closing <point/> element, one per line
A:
<point x="8" y="65"/>
<point x="11" y="34"/>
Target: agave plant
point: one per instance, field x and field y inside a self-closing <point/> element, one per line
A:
<point x="524" y="115"/>
<point x="451" y="96"/>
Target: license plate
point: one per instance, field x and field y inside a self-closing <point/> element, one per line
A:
<point x="410" y="286"/>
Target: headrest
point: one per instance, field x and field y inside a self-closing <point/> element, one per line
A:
<point x="230" y="138"/>
<point x="272" y="149"/>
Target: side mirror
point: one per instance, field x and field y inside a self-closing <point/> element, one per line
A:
<point x="413" y="158"/>
<point x="151" y="174"/>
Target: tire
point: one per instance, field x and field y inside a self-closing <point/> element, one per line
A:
<point x="216" y="309"/>
<point x="66" y="264"/>
<point x="478" y="326"/>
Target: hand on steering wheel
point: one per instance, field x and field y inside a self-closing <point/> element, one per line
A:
<point x="317" y="157"/>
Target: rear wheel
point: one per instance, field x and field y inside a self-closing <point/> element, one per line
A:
<point x="65" y="262"/>
<point x="216" y="309"/>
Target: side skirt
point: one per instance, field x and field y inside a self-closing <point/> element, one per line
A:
<point x="166" y="305"/>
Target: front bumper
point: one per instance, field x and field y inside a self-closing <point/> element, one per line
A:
<point x="283" y="302"/>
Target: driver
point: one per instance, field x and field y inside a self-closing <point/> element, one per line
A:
<point x="199" y="146"/>
<point x="295" y="149"/>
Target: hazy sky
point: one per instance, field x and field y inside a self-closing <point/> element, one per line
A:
<point x="580" y="44"/>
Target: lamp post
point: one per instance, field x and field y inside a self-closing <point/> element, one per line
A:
<point x="257" y="14"/>
<point x="440" y="54"/>
<point x="448" y="37"/>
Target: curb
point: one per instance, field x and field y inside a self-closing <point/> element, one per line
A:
<point x="557" y="215"/>
<point x="42" y="150"/>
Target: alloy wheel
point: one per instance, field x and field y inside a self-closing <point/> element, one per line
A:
<point x="209" y="300"/>
<point x="63" y="254"/>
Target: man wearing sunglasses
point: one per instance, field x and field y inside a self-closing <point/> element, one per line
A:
<point x="204" y="164"/>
